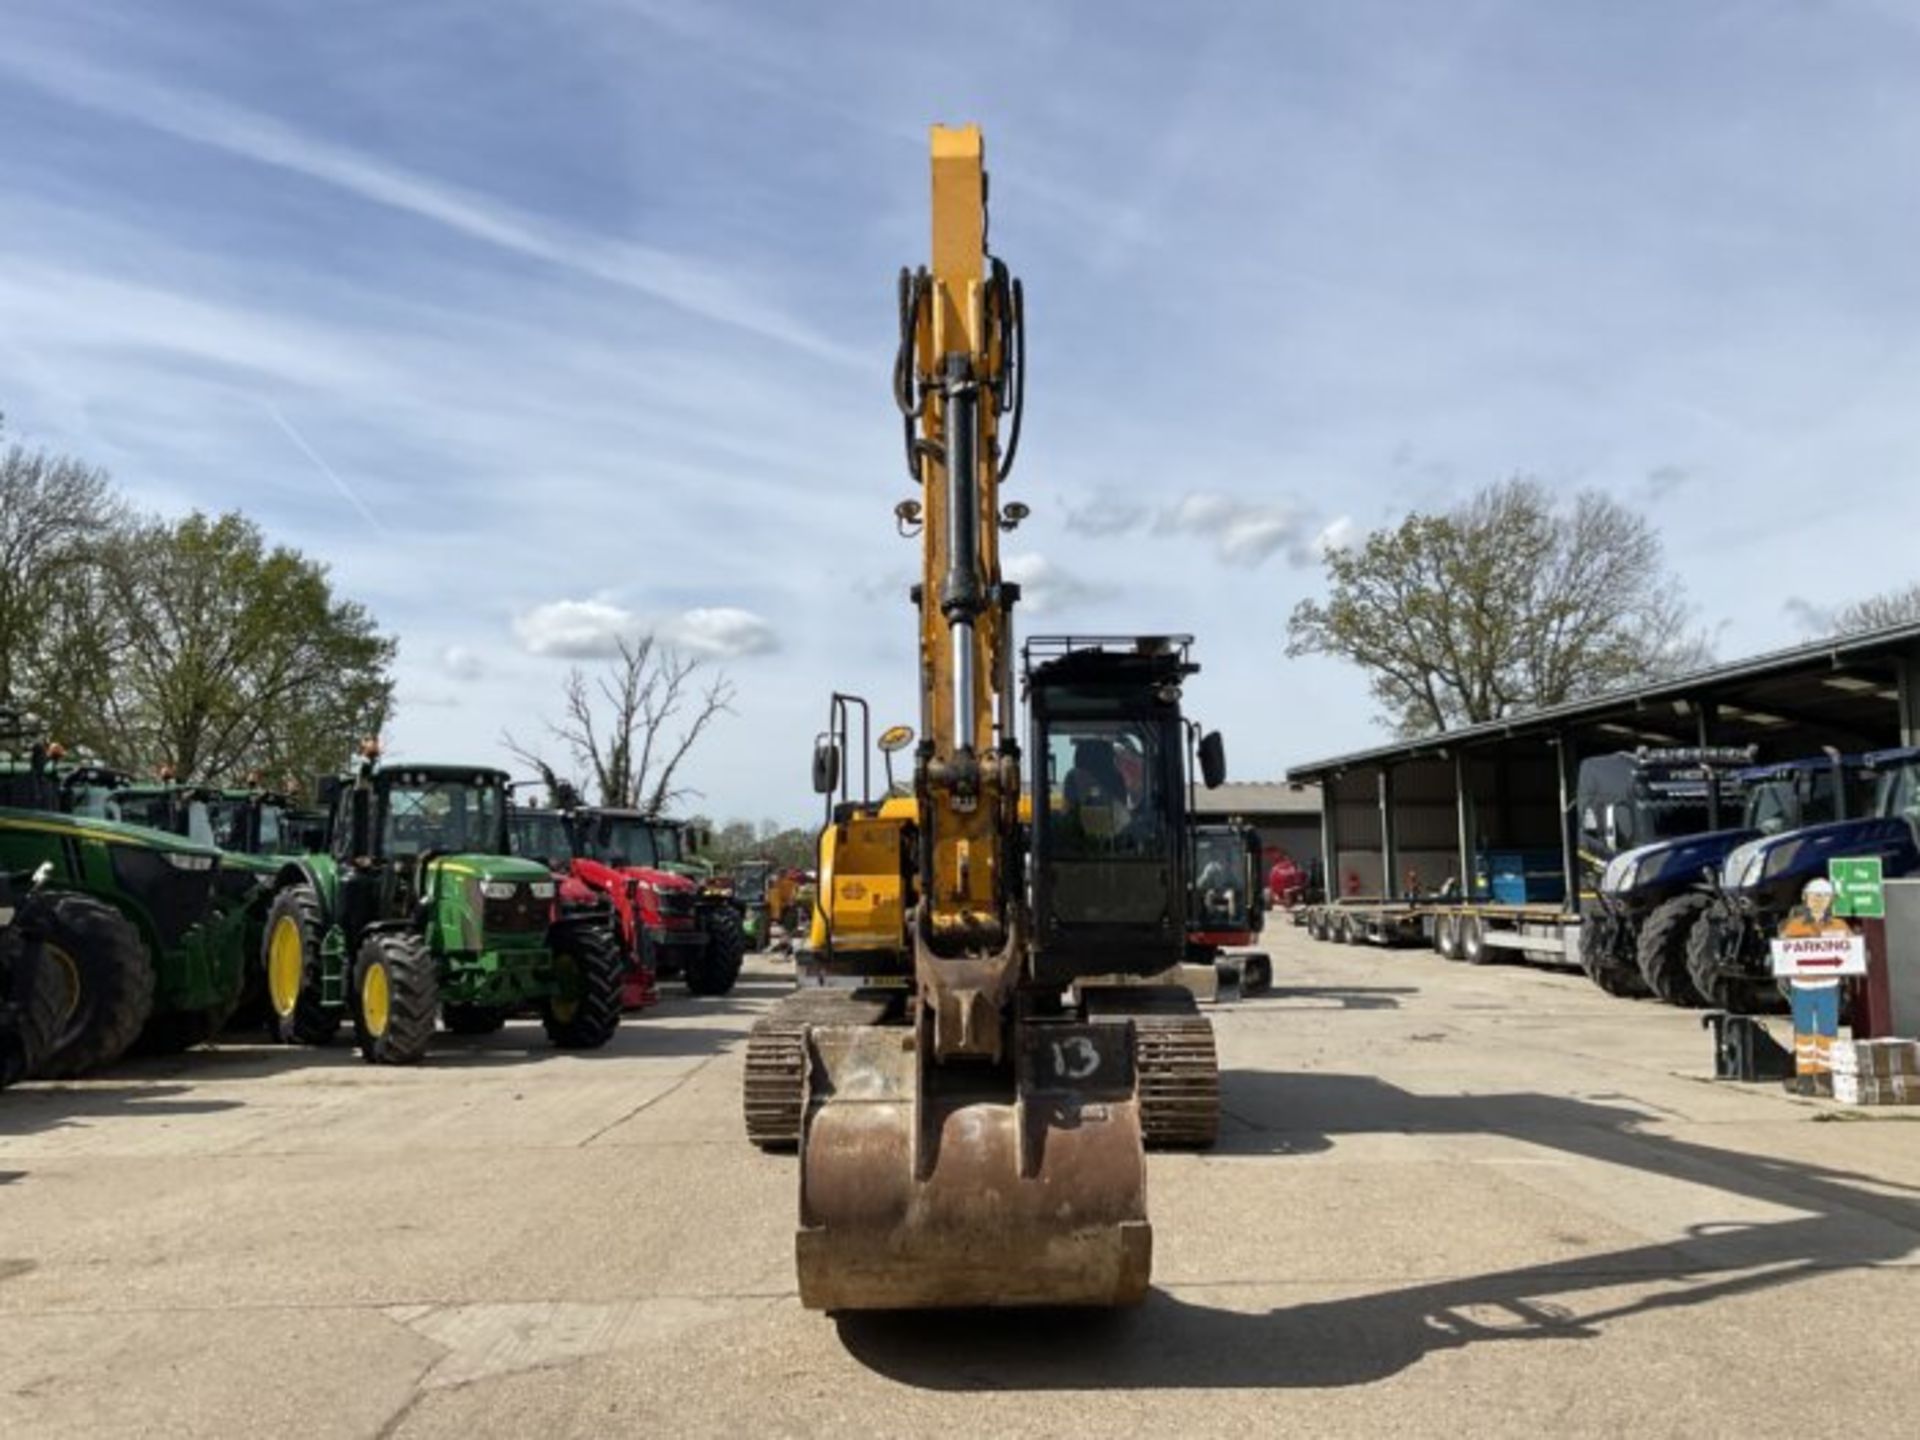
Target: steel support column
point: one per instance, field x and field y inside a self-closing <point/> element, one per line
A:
<point x="1389" y="850"/>
<point x="1569" y="820"/>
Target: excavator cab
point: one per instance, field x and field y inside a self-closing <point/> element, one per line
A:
<point x="1109" y="858"/>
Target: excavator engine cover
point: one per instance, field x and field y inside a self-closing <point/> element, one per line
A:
<point x="945" y="1186"/>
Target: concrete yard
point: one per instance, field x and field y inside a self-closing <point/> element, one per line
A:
<point x="1447" y="1201"/>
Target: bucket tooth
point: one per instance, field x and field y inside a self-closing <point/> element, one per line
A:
<point x="943" y="1186"/>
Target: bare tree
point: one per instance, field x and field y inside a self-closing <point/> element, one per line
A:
<point x="1877" y="612"/>
<point x="627" y="730"/>
<point x="1506" y="603"/>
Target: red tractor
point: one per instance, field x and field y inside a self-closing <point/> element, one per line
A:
<point x="1286" y="881"/>
<point x="671" y="924"/>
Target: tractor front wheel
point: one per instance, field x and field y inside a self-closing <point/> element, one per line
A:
<point x="29" y="1013"/>
<point x="1721" y="991"/>
<point x="291" y="955"/>
<point x="105" y="980"/>
<point x="717" y="966"/>
<point x="1604" y="967"/>
<point x="1662" y="949"/>
<point x="589" y="973"/>
<point x="396" y="997"/>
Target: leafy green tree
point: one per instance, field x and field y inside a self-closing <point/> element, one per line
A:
<point x="58" y="519"/>
<point x="1508" y="602"/>
<point x="238" y="656"/>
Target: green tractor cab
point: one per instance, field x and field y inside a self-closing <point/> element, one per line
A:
<point x="159" y="962"/>
<point x="418" y="912"/>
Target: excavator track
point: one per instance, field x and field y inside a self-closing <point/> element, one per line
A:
<point x="1175" y="1058"/>
<point x="773" y="1097"/>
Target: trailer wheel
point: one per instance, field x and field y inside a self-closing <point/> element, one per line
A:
<point x="1473" y="940"/>
<point x="1446" y="937"/>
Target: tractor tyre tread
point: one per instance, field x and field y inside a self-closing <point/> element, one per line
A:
<point x="312" y="1022"/>
<point x="36" y="999"/>
<point x="715" y="969"/>
<point x="1605" y="970"/>
<point x="1720" y="991"/>
<point x="116" y="984"/>
<point x="596" y="1012"/>
<point x="1661" y="949"/>
<point x="413" y="997"/>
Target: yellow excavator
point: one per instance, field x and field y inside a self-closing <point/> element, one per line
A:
<point x="973" y="1079"/>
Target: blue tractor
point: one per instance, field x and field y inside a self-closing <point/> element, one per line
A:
<point x="1649" y="897"/>
<point x="1761" y="880"/>
<point x="1631" y="803"/>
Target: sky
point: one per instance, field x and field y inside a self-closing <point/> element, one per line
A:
<point x="544" y="322"/>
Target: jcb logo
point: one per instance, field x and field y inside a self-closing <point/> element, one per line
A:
<point x="852" y="890"/>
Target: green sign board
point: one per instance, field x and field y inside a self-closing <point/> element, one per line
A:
<point x="1857" y="889"/>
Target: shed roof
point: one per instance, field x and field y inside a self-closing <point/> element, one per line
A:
<point x="1841" y="690"/>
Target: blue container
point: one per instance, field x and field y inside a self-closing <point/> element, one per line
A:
<point x="1520" y="877"/>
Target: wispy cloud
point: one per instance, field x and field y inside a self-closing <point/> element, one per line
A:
<point x="662" y="275"/>
<point x="1106" y="514"/>
<point x="1048" y="587"/>
<point x="1245" y="532"/>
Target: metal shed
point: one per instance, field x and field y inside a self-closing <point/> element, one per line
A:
<point x="1420" y="809"/>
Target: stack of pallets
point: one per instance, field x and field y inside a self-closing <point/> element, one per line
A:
<point x="1876" y="1072"/>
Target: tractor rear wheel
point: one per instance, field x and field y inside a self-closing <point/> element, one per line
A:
<point x="1607" y="970"/>
<point x="105" y="981"/>
<point x="29" y="1014"/>
<point x="584" y="1011"/>
<point x="717" y="966"/>
<point x="291" y="955"/>
<point x="473" y="1019"/>
<point x="396" y="997"/>
<point x="1662" y="949"/>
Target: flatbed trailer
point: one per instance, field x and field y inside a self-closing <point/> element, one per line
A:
<point x="1475" y="931"/>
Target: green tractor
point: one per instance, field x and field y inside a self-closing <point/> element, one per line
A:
<point x="160" y="958"/>
<point x="418" y="912"/>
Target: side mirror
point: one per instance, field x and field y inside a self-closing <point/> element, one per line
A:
<point x="1213" y="760"/>
<point x="826" y="767"/>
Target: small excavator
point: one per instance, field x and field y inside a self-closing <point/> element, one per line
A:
<point x="972" y="1087"/>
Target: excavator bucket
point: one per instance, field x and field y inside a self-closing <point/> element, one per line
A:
<point x="928" y="1186"/>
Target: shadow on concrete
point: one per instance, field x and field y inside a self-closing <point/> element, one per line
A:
<point x="35" y="1107"/>
<point x="1850" y="1222"/>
